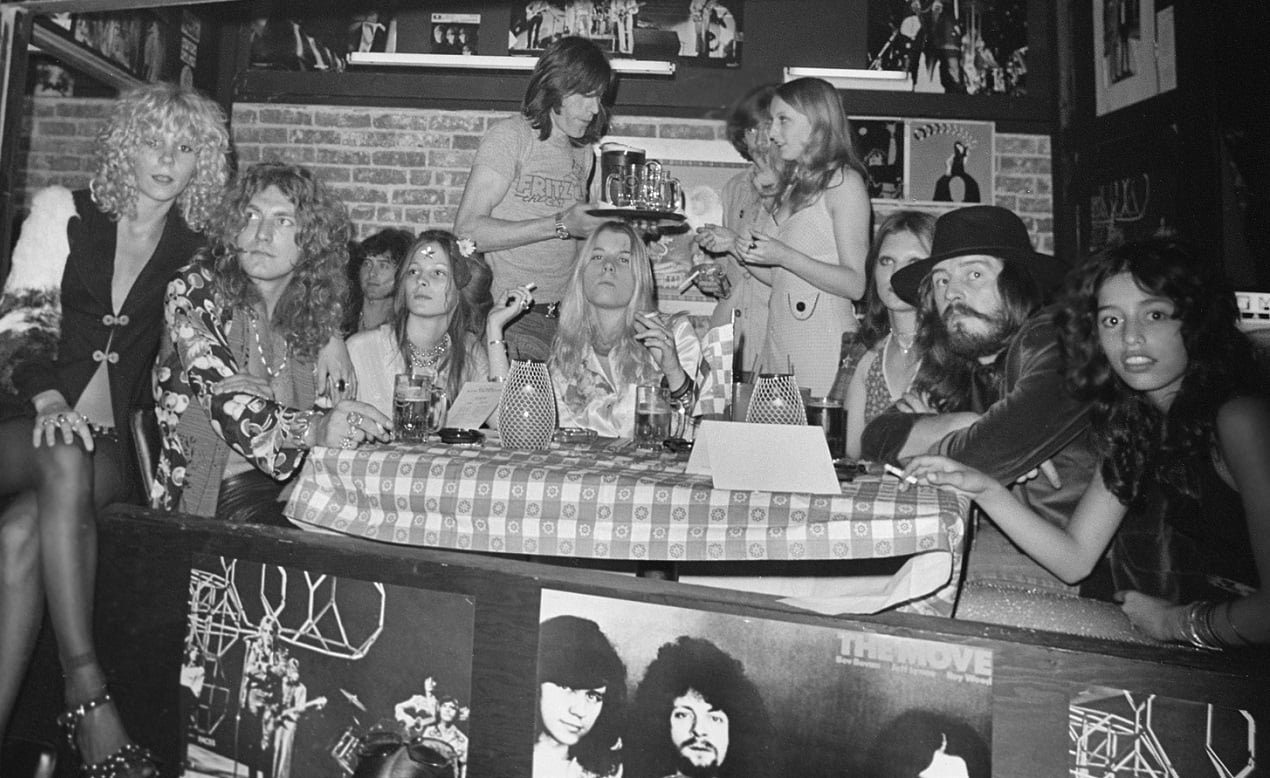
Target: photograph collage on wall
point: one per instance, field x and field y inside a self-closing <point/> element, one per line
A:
<point x="952" y="46"/>
<point x="925" y="161"/>
<point x="1120" y="734"/>
<point x="649" y="690"/>
<point x="703" y="32"/>
<point x="289" y="673"/>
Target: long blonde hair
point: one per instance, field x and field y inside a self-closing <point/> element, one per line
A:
<point x="579" y="325"/>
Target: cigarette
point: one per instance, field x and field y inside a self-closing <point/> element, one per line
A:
<point x="531" y="286"/>
<point x="898" y="473"/>
<point x="687" y="282"/>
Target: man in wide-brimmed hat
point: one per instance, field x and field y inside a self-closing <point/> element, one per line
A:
<point x="990" y="390"/>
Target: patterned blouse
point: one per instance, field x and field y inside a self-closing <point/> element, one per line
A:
<point x="269" y="434"/>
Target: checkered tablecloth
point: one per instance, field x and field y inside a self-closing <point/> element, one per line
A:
<point x="610" y="501"/>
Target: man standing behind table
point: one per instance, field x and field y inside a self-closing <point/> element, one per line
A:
<point x="697" y="714"/>
<point x="990" y="392"/>
<point x="526" y="197"/>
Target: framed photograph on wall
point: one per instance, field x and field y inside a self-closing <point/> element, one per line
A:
<point x="1124" y="60"/>
<point x="290" y="672"/>
<point x="648" y="672"/>
<point x="950" y="163"/>
<point x="454" y="33"/>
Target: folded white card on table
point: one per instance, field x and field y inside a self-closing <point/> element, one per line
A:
<point x="476" y="401"/>
<point x="764" y="457"/>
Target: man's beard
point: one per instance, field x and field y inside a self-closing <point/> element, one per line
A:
<point x="973" y="345"/>
<point x="690" y="770"/>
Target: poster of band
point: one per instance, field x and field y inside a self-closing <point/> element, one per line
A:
<point x="706" y="32"/>
<point x="952" y="46"/>
<point x="1120" y="734"/>
<point x="650" y="690"/>
<point x="289" y="673"/>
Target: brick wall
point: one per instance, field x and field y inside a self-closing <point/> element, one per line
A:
<point x="407" y="167"/>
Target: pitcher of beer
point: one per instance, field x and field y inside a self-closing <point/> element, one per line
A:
<point x="616" y="158"/>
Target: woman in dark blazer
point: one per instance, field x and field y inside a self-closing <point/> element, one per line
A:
<point x="79" y="328"/>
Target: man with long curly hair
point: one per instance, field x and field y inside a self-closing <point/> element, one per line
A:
<point x="236" y="384"/>
<point x="990" y="391"/>
<point x="697" y="715"/>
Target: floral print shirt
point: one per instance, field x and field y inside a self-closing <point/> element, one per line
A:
<point x="269" y="434"/>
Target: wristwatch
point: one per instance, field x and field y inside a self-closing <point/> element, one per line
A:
<point x="562" y="232"/>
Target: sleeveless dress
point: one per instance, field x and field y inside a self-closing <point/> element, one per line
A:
<point x="805" y="324"/>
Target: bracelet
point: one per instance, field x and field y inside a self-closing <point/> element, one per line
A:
<point x="503" y="343"/>
<point x="1230" y="620"/>
<point x="1199" y="626"/>
<point x="304" y="425"/>
<point x="683" y="389"/>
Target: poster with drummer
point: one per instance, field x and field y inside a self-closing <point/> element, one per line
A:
<point x="289" y="673"/>
<point x="636" y="688"/>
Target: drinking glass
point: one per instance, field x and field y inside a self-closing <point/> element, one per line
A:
<point x="418" y="407"/>
<point x="829" y="415"/>
<point x="652" y="416"/>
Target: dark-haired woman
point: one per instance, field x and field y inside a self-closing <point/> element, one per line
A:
<point x="1182" y="415"/>
<point x="581" y="701"/>
<point x="525" y="201"/>
<point x="442" y="317"/>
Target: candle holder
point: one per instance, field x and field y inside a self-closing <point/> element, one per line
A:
<point x="776" y="400"/>
<point x="527" y="410"/>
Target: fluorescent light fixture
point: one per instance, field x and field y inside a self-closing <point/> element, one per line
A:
<point x="646" y="67"/>
<point x="855" y="78"/>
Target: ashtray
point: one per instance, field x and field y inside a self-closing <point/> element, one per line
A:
<point x="573" y="435"/>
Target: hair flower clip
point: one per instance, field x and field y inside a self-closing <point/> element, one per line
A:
<point x="467" y="247"/>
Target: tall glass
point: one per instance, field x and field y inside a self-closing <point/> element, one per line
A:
<point x="830" y="416"/>
<point x="652" y="416"/>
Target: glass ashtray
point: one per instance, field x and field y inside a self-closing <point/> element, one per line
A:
<point x="573" y="436"/>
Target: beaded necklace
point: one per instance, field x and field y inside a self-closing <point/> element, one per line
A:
<point x="255" y="330"/>
<point x="421" y="359"/>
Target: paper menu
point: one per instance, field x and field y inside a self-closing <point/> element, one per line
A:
<point x="476" y="401"/>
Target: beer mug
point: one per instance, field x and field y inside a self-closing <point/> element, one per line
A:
<point x="671" y="196"/>
<point x="652" y="416"/>
<point x="649" y="185"/>
<point x="418" y="407"/>
<point x="616" y="159"/>
<point x="619" y="190"/>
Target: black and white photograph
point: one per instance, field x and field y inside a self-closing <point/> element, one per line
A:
<point x="952" y="46"/>
<point x="1125" y="69"/>
<point x="705" y="32"/>
<point x="1121" y="734"/>
<point x="880" y="144"/>
<point x="283" y="41"/>
<point x="289" y="673"/>
<point x="646" y="691"/>
<point x="950" y="162"/>
<point x="454" y="33"/>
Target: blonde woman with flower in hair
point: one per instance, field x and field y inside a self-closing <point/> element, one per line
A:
<point x="82" y="311"/>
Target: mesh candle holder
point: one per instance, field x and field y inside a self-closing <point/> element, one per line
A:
<point x="527" y="410"/>
<point x="776" y="400"/>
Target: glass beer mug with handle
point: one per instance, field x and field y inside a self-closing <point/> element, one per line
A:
<point x="418" y="407"/>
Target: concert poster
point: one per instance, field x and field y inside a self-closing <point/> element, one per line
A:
<point x="972" y="47"/>
<point x="289" y="672"/>
<point x="826" y="701"/>
<point x="1122" y="734"/>
<point x="696" y="32"/>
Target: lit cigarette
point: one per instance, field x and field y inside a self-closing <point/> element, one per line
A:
<point x="687" y="282"/>
<point x="898" y="473"/>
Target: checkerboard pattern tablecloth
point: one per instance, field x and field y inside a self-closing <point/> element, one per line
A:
<point x="609" y="501"/>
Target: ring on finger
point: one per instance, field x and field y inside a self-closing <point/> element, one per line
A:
<point x="348" y="441"/>
<point x="61" y="418"/>
<point x="341" y="384"/>
<point x="354" y="419"/>
<point x="48" y="421"/>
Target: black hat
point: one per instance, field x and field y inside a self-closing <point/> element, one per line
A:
<point x="980" y="229"/>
